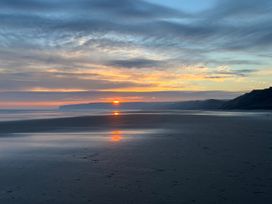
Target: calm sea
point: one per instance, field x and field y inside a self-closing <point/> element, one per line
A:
<point x="12" y="115"/>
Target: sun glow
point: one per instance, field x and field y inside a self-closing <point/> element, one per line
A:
<point x="115" y="102"/>
<point x="116" y="136"/>
<point x="116" y="113"/>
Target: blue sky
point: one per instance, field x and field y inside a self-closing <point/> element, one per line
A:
<point x="136" y="50"/>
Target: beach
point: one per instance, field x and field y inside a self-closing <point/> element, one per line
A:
<point x="138" y="157"/>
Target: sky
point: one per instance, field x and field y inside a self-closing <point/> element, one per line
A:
<point x="55" y="52"/>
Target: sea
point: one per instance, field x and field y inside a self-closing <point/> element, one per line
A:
<point x="35" y="114"/>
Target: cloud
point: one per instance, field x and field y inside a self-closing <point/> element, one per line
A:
<point x="87" y="42"/>
<point x="122" y="8"/>
<point x="241" y="8"/>
<point x="136" y="63"/>
<point x="64" y="81"/>
<point x="225" y="74"/>
<point x="158" y="26"/>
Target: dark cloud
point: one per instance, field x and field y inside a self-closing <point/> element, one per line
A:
<point x="234" y="62"/>
<point x="27" y="81"/>
<point x="26" y="4"/>
<point x="223" y="74"/>
<point x="122" y="8"/>
<point x="136" y="63"/>
<point x="240" y="8"/>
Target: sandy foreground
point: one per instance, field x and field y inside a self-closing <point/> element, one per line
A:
<point x="137" y="158"/>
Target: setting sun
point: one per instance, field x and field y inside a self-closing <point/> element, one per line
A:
<point x="115" y="102"/>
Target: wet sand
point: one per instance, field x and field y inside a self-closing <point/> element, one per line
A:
<point x="137" y="158"/>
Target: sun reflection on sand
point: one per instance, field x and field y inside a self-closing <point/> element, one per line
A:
<point x="116" y="136"/>
<point x="115" y="113"/>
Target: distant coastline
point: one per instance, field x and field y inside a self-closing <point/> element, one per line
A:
<point x="254" y="100"/>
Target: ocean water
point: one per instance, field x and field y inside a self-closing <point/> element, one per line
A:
<point x="16" y="115"/>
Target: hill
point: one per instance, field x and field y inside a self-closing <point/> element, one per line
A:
<point x="256" y="99"/>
